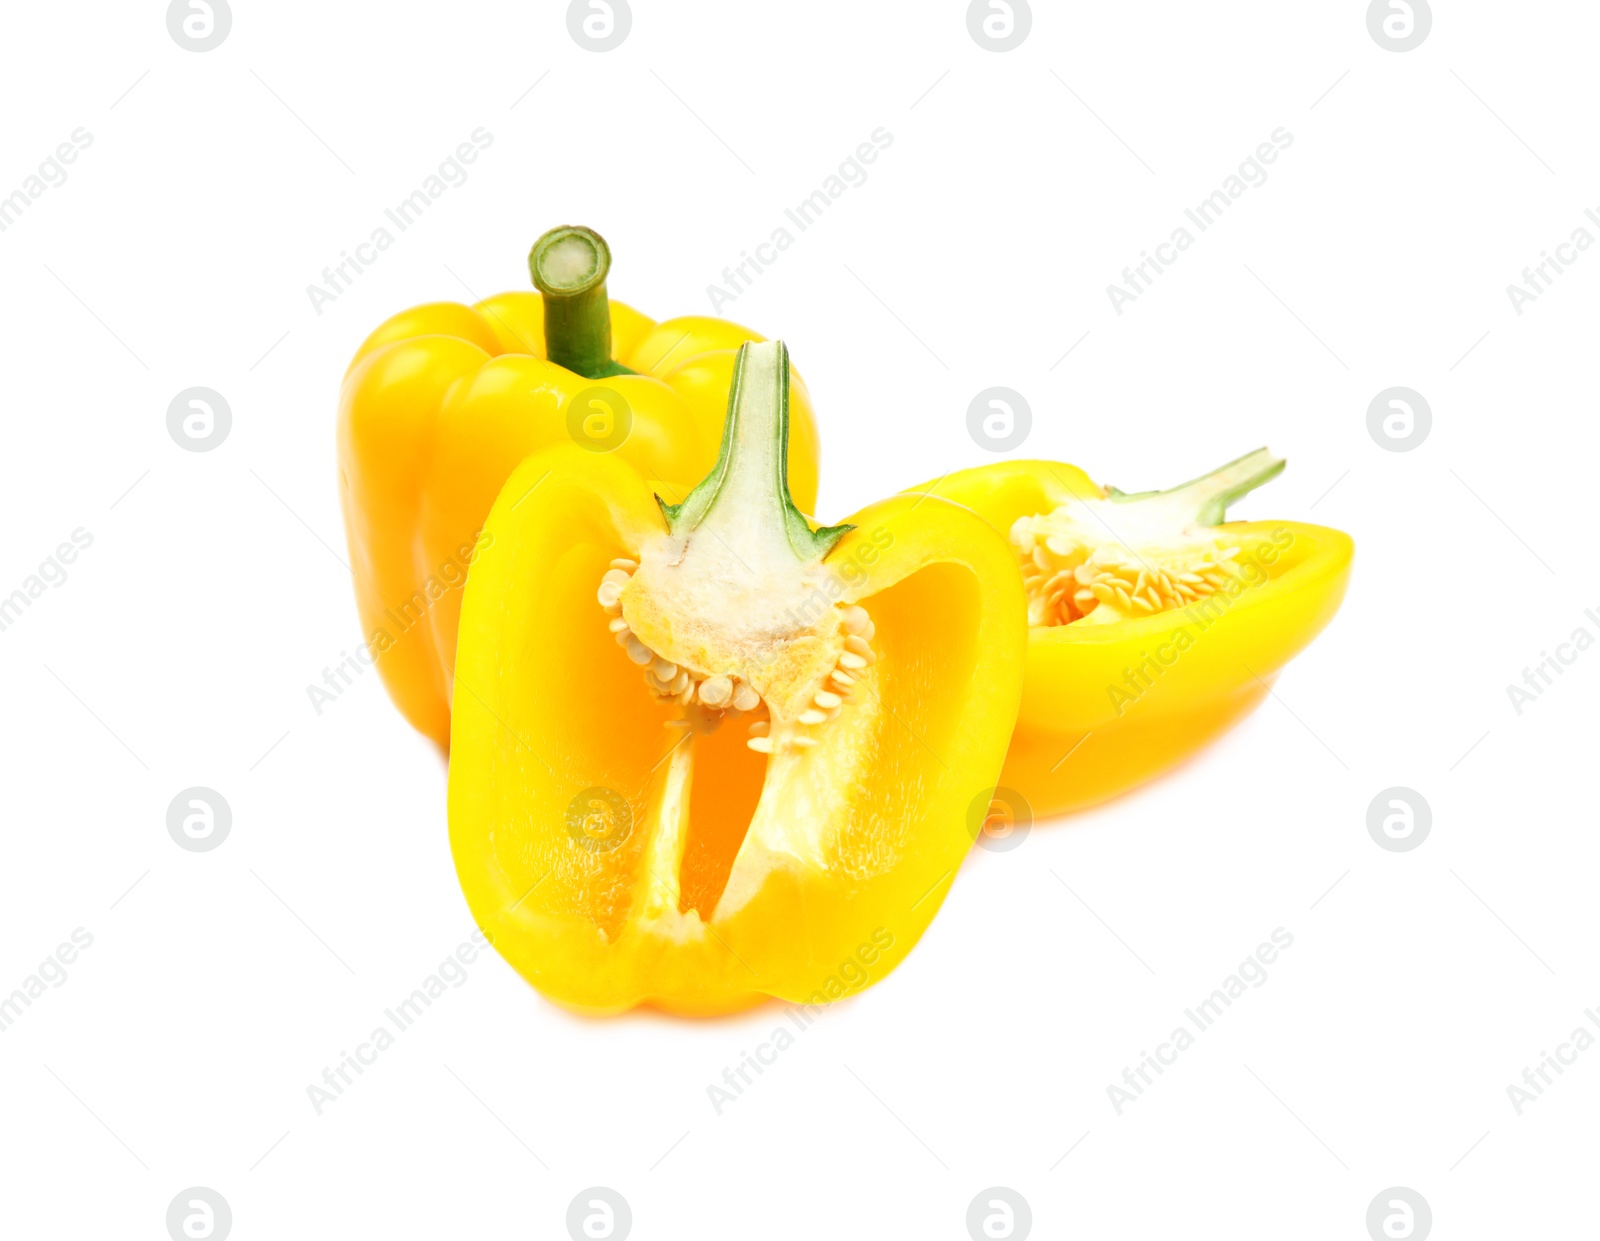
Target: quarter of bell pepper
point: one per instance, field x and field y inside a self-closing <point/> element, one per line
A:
<point x="1152" y="627"/>
<point x="704" y="753"/>
<point x="442" y="401"/>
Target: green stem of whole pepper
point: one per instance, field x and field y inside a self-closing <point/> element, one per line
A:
<point x="569" y="266"/>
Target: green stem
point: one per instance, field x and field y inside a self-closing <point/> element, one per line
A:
<point x="747" y="491"/>
<point x="1204" y="501"/>
<point x="569" y="266"/>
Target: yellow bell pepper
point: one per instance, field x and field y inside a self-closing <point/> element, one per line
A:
<point x="443" y="401"/>
<point x="704" y="753"/>
<point x="1152" y="628"/>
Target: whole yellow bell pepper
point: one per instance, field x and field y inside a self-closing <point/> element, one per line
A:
<point x="443" y="401"/>
<point x="1152" y="627"/>
<point x="704" y="753"/>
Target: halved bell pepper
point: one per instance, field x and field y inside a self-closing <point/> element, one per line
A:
<point x="1152" y="627"/>
<point x="442" y="401"/>
<point x="705" y="753"/>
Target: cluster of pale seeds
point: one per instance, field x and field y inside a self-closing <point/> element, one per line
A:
<point x="718" y="692"/>
<point x="1066" y="581"/>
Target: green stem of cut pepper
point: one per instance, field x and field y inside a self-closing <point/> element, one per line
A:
<point x="748" y="488"/>
<point x="1204" y="501"/>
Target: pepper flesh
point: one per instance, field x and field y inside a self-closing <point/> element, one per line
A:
<point x="620" y="846"/>
<point x="442" y="401"/>
<point x="1121" y="694"/>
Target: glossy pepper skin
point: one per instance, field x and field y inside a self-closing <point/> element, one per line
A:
<point x="718" y="874"/>
<point x="442" y="401"/>
<point x="1107" y="707"/>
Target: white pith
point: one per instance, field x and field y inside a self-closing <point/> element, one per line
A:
<point x="568" y="262"/>
<point x="720" y="650"/>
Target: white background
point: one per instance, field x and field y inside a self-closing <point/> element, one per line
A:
<point x="179" y="649"/>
